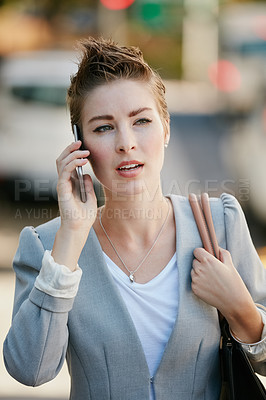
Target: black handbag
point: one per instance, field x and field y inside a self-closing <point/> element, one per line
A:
<point x="239" y="381"/>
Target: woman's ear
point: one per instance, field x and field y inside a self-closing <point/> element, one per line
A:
<point x="166" y="124"/>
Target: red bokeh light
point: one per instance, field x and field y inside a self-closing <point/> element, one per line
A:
<point x="260" y="26"/>
<point x="224" y="76"/>
<point x="117" y="4"/>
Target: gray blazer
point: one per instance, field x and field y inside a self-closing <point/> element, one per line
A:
<point x="95" y="331"/>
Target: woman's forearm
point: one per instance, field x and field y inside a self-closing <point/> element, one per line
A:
<point x="67" y="247"/>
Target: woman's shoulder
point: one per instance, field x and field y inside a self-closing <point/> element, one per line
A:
<point x="45" y="233"/>
<point x="225" y="200"/>
<point x="225" y="207"/>
<point x="33" y="242"/>
<point x="230" y="203"/>
<point x="49" y="226"/>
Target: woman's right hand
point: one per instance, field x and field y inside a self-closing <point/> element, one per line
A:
<point x="75" y="215"/>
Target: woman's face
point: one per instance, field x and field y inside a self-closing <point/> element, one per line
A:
<point x="125" y="134"/>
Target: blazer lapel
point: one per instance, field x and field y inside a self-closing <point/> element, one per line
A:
<point x="100" y="283"/>
<point x="185" y="340"/>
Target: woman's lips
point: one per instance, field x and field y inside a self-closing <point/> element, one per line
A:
<point x="129" y="169"/>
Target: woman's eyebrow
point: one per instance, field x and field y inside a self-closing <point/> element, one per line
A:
<point x="100" y="117"/>
<point x="110" y="117"/>
<point x="138" y="111"/>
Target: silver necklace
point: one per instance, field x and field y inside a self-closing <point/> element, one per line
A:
<point x="132" y="272"/>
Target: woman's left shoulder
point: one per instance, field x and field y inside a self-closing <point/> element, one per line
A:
<point x="230" y="202"/>
<point x="225" y="207"/>
<point x="231" y="207"/>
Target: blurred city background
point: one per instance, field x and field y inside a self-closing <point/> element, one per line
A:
<point x="212" y="57"/>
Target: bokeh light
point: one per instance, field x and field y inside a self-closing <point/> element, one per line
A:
<point x="117" y="4"/>
<point x="224" y="76"/>
<point x="264" y="119"/>
<point x="260" y="26"/>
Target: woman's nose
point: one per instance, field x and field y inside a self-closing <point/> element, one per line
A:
<point x="125" y="141"/>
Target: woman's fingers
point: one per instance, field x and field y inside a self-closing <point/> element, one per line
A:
<point x="88" y="183"/>
<point x="70" y="153"/>
<point x="69" y="149"/>
<point x="75" y="215"/>
<point x="217" y="282"/>
<point x="196" y="266"/>
<point x="201" y="254"/>
<point x="69" y="159"/>
<point x="69" y="168"/>
<point x="225" y="257"/>
<point x="75" y="154"/>
<point x="208" y="267"/>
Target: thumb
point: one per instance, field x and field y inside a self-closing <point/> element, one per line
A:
<point x="225" y="256"/>
<point x="88" y="183"/>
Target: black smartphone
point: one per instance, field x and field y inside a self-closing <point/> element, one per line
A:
<point x="79" y="170"/>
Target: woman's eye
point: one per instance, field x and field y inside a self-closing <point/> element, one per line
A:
<point x="143" y="121"/>
<point x="103" y="128"/>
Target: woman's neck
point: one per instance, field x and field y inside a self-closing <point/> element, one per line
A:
<point x="135" y="217"/>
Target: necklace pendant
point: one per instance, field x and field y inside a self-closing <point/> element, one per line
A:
<point x="131" y="278"/>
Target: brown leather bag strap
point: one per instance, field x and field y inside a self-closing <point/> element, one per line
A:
<point x="203" y="217"/>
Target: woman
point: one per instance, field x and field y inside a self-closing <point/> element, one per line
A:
<point x="142" y="322"/>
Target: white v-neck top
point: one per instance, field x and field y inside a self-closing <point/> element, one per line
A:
<point x="152" y="306"/>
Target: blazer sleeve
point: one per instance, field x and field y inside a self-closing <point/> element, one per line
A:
<point x="245" y="259"/>
<point x="35" y="346"/>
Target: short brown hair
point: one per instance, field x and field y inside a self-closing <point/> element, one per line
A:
<point x="103" y="61"/>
